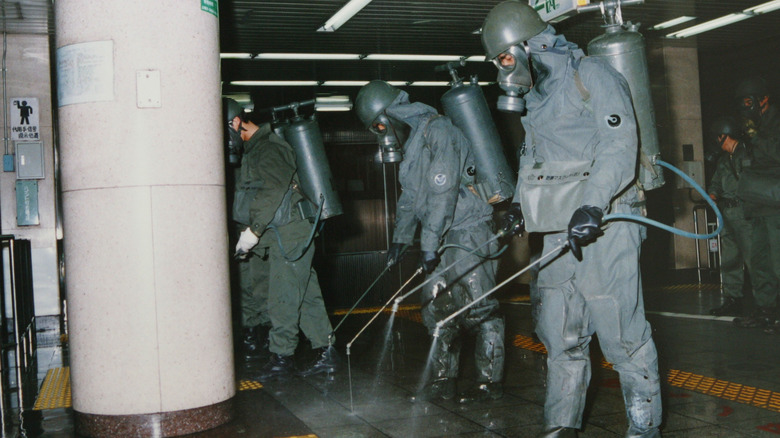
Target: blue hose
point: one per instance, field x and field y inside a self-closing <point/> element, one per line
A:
<point x="635" y="218"/>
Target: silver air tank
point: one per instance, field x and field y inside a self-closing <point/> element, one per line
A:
<point x="313" y="169"/>
<point x="466" y="106"/>
<point x="624" y="48"/>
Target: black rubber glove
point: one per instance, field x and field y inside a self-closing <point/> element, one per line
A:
<point x="513" y="223"/>
<point x="396" y="253"/>
<point x="584" y="228"/>
<point x="429" y="260"/>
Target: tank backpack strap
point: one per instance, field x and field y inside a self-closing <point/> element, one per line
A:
<point x="575" y="62"/>
<point x="427" y="124"/>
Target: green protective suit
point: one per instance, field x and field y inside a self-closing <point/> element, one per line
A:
<point x="737" y="231"/>
<point x="434" y="175"/>
<point x="268" y="187"/>
<point x="765" y="249"/>
<point x="580" y="109"/>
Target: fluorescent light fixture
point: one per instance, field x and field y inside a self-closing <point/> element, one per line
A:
<point x="763" y="8"/>
<point x="392" y="57"/>
<point x="242" y="98"/>
<point x="673" y="22"/>
<point x="332" y="99"/>
<point x="343" y="15"/>
<point x="275" y="83"/>
<point x="342" y="83"/>
<point x="235" y="56"/>
<point x="308" y="56"/>
<point x="332" y="103"/>
<point x="709" y="25"/>
<point x="429" y="83"/>
<point x="348" y="57"/>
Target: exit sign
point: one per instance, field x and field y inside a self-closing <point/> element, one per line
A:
<point x="553" y="11"/>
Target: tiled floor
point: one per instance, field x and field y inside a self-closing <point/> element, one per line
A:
<point x="719" y="381"/>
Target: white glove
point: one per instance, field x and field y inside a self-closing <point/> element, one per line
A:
<point x="246" y="241"/>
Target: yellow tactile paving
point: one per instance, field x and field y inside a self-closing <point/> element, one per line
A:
<point x="365" y="310"/>
<point x="749" y="395"/>
<point x="55" y="391"/>
<point x="246" y="385"/>
<point x="687" y="287"/>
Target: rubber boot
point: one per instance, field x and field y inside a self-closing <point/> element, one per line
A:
<point x="327" y="361"/>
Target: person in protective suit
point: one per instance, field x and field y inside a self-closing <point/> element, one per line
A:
<point x="761" y="124"/>
<point x="434" y="175"/>
<point x="267" y="192"/>
<point x="737" y="231"/>
<point x="579" y="109"/>
<point x="255" y="322"/>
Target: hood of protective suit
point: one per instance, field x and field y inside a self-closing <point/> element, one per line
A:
<point x="410" y="113"/>
<point x="550" y="55"/>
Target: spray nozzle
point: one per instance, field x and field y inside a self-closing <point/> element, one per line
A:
<point x="436" y="330"/>
<point x="452" y="68"/>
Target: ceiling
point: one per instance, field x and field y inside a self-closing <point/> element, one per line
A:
<point x="438" y="27"/>
<point x="432" y="27"/>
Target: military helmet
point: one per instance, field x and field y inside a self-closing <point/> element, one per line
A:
<point x="725" y="125"/>
<point x="508" y="24"/>
<point x="754" y="86"/>
<point x="374" y="98"/>
<point x="231" y="109"/>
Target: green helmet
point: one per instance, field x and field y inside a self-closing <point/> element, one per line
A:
<point x="508" y="24"/>
<point x="374" y="98"/>
<point x="725" y="125"/>
<point x="754" y="86"/>
<point x="231" y="109"/>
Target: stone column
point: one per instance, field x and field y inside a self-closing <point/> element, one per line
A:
<point x="675" y="81"/>
<point x="143" y="190"/>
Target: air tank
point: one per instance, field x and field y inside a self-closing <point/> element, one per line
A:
<point x="624" y="48"/>
<point x="466" y="106"/>
<point x="313" y="169"/>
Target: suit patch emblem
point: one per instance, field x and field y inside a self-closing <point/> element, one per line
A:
<point x="613" y="121"/>
<point x="440" y="179"/>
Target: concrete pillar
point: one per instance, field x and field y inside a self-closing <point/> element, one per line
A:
<point x="144" y="216"/>
<point x="675" y="81"/>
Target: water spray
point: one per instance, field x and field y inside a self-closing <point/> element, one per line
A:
<point x="416" y="273"/>
<point x="398" y="300"/>
<point x="349" y="312"/>
<point x="555" y="251"/>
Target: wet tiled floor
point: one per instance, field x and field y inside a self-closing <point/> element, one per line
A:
<point x="719" y="381"/>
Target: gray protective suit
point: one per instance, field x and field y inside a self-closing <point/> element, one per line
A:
<point x="580" y="109"/>
<point x="434" y="177"/>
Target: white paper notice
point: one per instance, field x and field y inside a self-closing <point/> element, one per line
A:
<point x="85" y="72"/>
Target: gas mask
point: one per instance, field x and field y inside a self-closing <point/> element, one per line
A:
<point x="391" y="134"/>
<point x="750" y="110"/>
<point x="235" y="144"/>
<point x="514" y="77"/>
